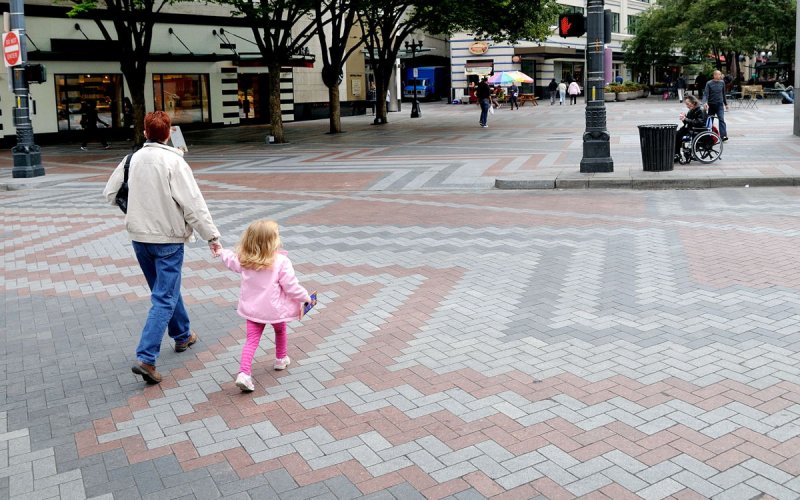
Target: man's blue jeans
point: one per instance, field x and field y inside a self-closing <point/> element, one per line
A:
<point x="485" y="103"/>
<point x="161" y="265"/>
<point x="719" y="110"/>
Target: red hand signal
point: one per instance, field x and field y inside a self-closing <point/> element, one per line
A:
<point x="573" y="25"/>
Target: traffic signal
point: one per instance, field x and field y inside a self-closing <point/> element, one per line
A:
<point x="571" y="25"/>
<point x="35" y="73"/>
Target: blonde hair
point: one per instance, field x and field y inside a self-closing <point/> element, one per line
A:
<point x="259" y="243"/>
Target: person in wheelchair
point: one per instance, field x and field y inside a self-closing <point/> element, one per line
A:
<point x="694" y="120"/>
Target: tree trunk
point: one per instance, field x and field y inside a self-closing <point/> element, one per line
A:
<point x="276" y="120"/>
<point x="135" y="76"/>
<point x="139" y="111"/>
<point x="336" y="109"/>
<point x="381" y="110"/>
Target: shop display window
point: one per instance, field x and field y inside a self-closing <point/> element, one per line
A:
<point x="572" y="70"/>
<point x="72" y="91"/>
<point x="183" y="97"/>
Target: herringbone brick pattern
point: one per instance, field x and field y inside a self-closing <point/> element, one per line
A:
<point x="467" y="344"/>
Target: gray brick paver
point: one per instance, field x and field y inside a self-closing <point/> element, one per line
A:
<point x="604" y="314"/>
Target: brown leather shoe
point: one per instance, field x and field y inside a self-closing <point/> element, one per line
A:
<point x="148" y="372"/>
<point x="182" y="346"/>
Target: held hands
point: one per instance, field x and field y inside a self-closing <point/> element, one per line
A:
<point x="216" y="247"/>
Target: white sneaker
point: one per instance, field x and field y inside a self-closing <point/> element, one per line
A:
<point x="282" y="363"/>
<point x="245" y="382"/>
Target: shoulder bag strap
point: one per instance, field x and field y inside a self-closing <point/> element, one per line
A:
<point x="127" y="166"/>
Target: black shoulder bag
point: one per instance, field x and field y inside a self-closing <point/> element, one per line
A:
<point x="122" y="195"/>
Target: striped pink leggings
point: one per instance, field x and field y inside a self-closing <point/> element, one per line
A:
<point x="254" y="331"/>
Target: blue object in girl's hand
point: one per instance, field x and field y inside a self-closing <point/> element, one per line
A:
<point x="307" y="306"/>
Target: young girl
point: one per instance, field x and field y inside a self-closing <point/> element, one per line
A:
<point x="269" y="293"/>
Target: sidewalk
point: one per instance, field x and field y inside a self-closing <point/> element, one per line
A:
<point x="535" y="147"/>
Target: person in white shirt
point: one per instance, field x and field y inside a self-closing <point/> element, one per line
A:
<point x="573" y="91"/>
<point x="562" y="92"/>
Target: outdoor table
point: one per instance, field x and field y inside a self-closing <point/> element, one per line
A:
<point x="523" y="98"/>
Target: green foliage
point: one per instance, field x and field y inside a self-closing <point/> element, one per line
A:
<point x="499" y="20"/>
<point x="630" y="87"/>
<point x="81" y="8"/>
<point x="718" y="27"/>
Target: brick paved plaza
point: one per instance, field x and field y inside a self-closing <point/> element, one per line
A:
<point x="469" y="342"/>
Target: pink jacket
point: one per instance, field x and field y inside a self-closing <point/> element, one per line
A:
<point x="271" y="295"/>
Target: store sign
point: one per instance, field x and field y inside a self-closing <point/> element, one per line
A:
<point x="12" y="52"/>
<point x="479" y="70"/>
<point x="479" y="48"/>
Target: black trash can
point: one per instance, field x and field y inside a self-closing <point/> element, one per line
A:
<point x="658" y="146"/>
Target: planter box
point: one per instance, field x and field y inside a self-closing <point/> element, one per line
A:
<point x="610" y="97"/>
<point x="622" y="96"/>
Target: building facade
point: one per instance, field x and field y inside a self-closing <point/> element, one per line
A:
<point x="204" y="70"/>
<point x="556" y="57"/>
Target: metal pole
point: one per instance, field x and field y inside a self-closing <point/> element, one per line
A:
<point x="797" y="78"/>
<point x="27" y="155"/>
<point x="415" y="112"/>
<point x="596" y="143"/>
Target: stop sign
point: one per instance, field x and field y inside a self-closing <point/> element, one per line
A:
<point x="12" y="53"/>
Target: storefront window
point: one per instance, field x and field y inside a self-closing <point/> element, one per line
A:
<point x="572" y="71"/>
<point x="72" y="91"/>
<point x="183" y="97"/>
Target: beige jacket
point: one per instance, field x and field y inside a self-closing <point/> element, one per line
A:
<point x="164" y="201"/>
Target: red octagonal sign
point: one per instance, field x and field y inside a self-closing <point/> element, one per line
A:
<point x="12" y="53"/>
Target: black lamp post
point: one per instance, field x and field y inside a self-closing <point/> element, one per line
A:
<point x="26" y="154"/>
<point x="414" y="47"/>
<point x="596" y="140"/>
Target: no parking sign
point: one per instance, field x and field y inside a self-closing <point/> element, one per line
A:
<point x="12" y="50"/>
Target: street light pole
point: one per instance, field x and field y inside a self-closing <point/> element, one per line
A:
<point x="596" y="141"/>
<point x="414" y="47"/>
<point x="27" y="156"/>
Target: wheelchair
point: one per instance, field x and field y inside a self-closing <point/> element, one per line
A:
<point x="703" y="145"/>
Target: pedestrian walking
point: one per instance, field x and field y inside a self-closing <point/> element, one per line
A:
<point x="269" y="293"/>
<point x="165" y="208"/>
<point x="127" y="118"/>
<point x="715" y="102"/>
<point x="680" y="84"/>
<point x="562" y="92"/>
<point x="574" y="90"/>
<point x="513" y="93"/>
<point x="494" y="97"/>
<point x="484" y="93"/>
<point x="552" y="89"/>
<point x="700" y="83"/>
<point x="371" y="97"/>
<point x="89" y="121"/>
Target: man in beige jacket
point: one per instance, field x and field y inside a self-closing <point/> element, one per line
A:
<point x="165" y="207"/>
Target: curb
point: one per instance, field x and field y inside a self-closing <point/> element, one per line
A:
<point x="645" y="183"/>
